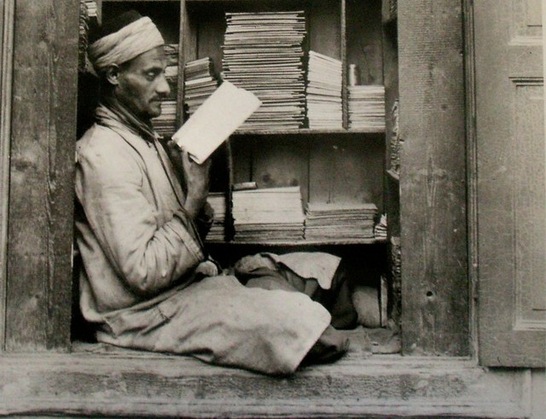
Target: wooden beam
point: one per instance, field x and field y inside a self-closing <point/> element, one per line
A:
<point x="43" y="131"/>
<point x="435" y="286"/>
<point x="7" y="8"/>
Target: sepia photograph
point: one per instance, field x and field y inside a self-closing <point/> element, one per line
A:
<point x="272" y="209"/>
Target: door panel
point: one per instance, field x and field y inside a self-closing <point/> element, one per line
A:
<point x="511" y="182"/>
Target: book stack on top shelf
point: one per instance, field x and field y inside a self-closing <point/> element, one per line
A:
<point x="324" y="78"/>
<point x="348" y="221"/>
<point x="217" y="201"/>
<point x="83" y="40"/>
<point x="92" y="8"/>
<point x="199" y="83"/>
<point x="165" y="124"/>
<point x="263" y="53"/>
<point x="88" y="22"/>
<point x="367" y="107"/>
<point x="268" y="215"/>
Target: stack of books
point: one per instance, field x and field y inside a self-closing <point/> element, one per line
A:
<point x="92" y="8"/>
<point x="324" y="77"/>
<point x="83" y="40"/>
<point x="88" y="23"/>
<point x="380" y="229"/>
<point x="199" y="83"/>
<point x="165" y="124"/>
<point x="367" y="107"/>
<point x="268" y="215"/>
<point x="263" y="53"/>
<point x="346" y="221"/>
<point x="217" y="201"/>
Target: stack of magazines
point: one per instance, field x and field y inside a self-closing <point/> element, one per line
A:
<point x="324" y="91"/>
<point x="263" y="53"/>
<point x="165" y="124"/>
<point x="272" y="214"/>
<point x="199" y="83"/>
<point x="217" y="201"/>
<point x="367" y="107"/>
<point x="344" y="221"/>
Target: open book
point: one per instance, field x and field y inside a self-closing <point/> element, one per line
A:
<point x="215" y="120"/>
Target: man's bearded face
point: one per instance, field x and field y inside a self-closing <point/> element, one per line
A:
<point x="142" y="83"/>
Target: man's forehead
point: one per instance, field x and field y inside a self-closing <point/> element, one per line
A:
<point x="153" y="58"/>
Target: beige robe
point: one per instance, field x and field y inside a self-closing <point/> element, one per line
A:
<point x="140" y="251"/>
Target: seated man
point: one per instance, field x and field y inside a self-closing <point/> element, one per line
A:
<point x="146" y="282"/>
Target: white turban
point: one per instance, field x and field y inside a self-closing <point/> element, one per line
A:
<point x="127" y="43"/>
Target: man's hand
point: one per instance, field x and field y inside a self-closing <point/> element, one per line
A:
<point x="197" y="184"/>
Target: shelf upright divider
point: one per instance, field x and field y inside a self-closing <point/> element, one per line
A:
<point x="343" y="46"/>
<point x="186" y="52"/>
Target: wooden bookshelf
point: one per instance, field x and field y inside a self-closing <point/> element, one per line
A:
<point x="341" y="165"/>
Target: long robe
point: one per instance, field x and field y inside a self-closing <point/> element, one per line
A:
<point x="140" y="251"/>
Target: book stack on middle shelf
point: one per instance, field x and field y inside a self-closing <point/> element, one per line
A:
<point x="165" y="124"/>
<point x="263" y="53"/>
<point x="324" y="78"/>
<point x="199" y="83"/>
<point x="367" y="107"/>
<point x="268" y="214"/>
<point x="340" y="221"/>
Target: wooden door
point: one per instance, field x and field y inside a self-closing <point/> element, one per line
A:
<point x="511" y="182"/>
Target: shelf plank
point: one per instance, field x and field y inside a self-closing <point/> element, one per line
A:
<point x="302" y="242"/>
<point x="308" y="131"/>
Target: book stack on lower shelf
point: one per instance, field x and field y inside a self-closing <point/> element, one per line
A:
<point x="268" y="215"/>
<point x="343" y="221"/>
<point x="165" y="124"/>
<point x="263" y="53"/>
<point x="199" y="83"/>
<point x="324" y="78"/>
<point x="217" y="201"/>
<point x="367" y="107"/>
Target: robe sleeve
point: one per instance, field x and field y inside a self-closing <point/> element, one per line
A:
<point x="147" y="257"/>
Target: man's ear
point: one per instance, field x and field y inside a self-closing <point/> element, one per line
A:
<point x="112" y="74"/>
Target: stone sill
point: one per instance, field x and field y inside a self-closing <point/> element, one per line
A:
<point x="131" y="383"/>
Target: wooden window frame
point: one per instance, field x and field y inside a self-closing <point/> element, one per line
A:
<point x="35" y="284"/>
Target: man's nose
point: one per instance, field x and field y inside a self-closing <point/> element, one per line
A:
<point x="163" y="87"/>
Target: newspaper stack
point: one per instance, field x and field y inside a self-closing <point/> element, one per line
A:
<point x="165" y="124"/>
<point x="346" y="221"/>
<point x="263" y="53"/>
<point x="367" y="107"/>
<point x="324" y="91"/>
<point x="268" y="215"/>
<point x="217" y="201"/>
<point x="199" y="83"/>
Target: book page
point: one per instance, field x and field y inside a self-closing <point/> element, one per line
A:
<point x="217" y="118"/>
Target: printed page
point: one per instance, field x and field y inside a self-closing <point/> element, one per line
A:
<point x="217" y="118"/>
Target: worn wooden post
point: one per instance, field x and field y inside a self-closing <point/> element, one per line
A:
<point x="43" y="130"/>
<point x="435" y="287"/>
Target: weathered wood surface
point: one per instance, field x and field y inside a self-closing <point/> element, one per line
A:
<point x="6" y="64"/>
<point x="435" y="287"/>
<point x="41" y="175"/>
<point x="511" y="183"/>
<point x="161" y="386"/>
